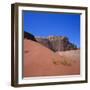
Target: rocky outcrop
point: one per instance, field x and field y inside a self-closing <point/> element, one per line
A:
<point x="44" y="41"/>
<point x="29" y="36"/>
<point x="56" y="43"/>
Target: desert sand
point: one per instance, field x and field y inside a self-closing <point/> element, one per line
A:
<point x="41" y="61"/>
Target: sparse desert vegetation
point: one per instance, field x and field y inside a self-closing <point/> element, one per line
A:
<point x="66" y="62"/>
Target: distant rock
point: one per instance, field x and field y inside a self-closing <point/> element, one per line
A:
<point x="29" y="36"/>
<point x="56" y="43"/>
<point x="44" y="41"/>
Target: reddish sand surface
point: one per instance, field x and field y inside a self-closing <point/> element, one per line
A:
<point x="41" y="61"/>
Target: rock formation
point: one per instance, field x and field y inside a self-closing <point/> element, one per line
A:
<point x="29" y="36"/>
<point x="55" y="43"/>
<point x="44" y="41"/>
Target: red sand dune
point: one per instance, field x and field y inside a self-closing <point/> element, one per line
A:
<point x="41" y="61"/>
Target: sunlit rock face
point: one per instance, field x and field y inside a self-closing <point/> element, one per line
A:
<point x="56" y="43"/>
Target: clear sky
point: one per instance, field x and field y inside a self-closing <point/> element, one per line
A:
<point x="56" y="24"/>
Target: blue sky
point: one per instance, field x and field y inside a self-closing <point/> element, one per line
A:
<point x="57" y="24"/>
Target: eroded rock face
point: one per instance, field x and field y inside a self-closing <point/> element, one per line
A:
<point x="56" y="43"/>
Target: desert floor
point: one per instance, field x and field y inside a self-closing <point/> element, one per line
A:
<point x="41" y="61"/>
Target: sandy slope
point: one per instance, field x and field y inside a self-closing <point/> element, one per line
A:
<point x="73" y="59"/>
<point x="41" y="61"/>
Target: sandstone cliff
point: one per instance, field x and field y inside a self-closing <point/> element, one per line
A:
<point x="55" y="43"/>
